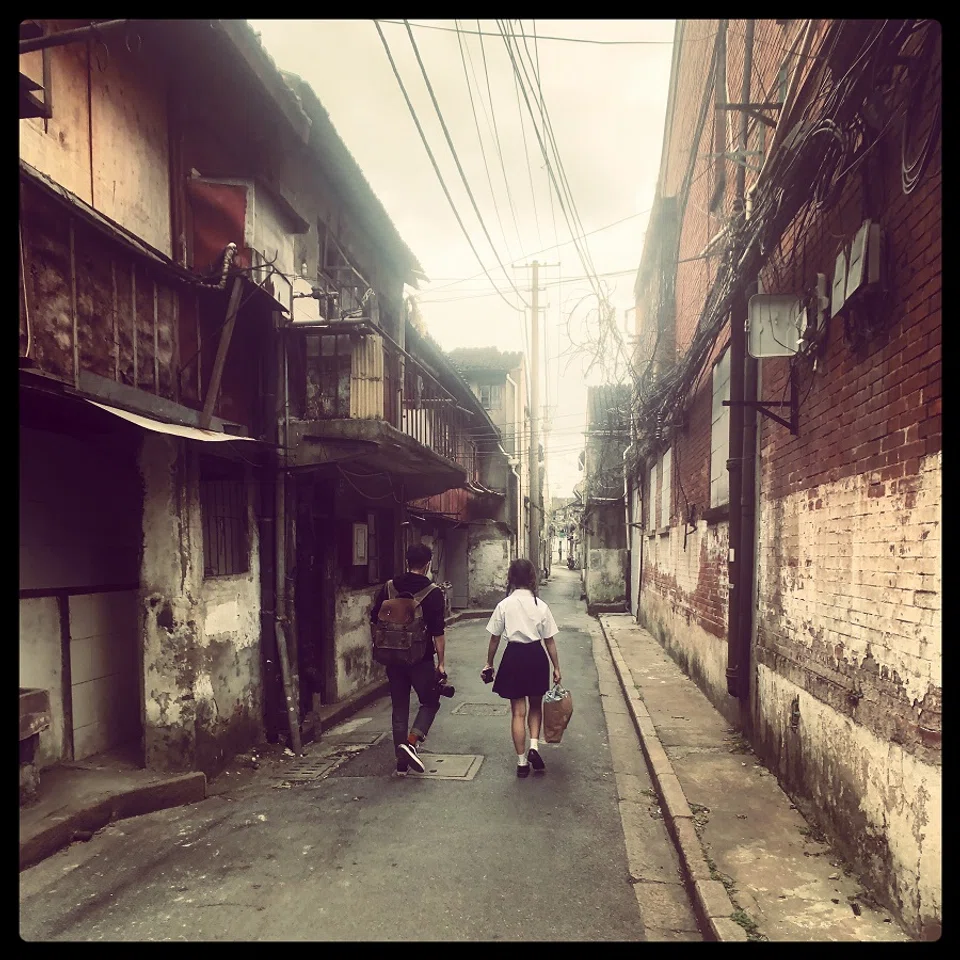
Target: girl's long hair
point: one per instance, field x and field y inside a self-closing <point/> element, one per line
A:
<point x="523" y="575"/>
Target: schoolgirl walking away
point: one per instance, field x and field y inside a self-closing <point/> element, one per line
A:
<point x="523" y="677"/>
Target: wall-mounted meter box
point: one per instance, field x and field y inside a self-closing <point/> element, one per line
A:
<point x="774" y="326"/>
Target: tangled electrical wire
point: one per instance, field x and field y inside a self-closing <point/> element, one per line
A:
<point x="841" y="126"/>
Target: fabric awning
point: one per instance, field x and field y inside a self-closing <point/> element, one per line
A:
<point x="172" y="429"/>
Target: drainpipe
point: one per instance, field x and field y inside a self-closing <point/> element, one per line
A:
<point x="739" y="571"/>
<point x="282" y="619"/>
<point x="268" y="542"/>
<point x="748" y="493"/>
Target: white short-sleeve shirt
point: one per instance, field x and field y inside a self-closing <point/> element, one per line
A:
<point x="521" y="618"/>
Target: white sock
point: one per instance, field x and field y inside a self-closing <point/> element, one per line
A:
<point x="534" y="744"/>
<point x="521" y="760"/>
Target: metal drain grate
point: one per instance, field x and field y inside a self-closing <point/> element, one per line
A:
<point x="482" y="709"/>
<point x="313" y="767"/>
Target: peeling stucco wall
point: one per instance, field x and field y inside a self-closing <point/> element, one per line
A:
<point x="849" y="642"/>
<point x="353" y="648"/>
<point x="604" y="576"/>
<point x="488" y="562"/>
<point x="202" y="697"/>
<point x="683" y="603"/>
<point x="882" y="804"/>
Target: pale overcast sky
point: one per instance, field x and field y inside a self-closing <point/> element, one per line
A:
<point x="606" y="105"/>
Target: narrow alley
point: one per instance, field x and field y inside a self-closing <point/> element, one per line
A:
<point x="359" y="854"/>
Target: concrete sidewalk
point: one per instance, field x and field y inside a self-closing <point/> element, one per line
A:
<point x="755" y="868"/>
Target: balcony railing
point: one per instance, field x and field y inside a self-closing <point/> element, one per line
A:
<point x="368" y="378"/>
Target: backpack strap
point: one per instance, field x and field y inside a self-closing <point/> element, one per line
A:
<point x="424" y="593"/>
<point x="391" y="591"/>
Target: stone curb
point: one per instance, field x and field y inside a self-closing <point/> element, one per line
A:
<point x="170" y="792"/>
<point x="331" y="714"/>
<point x="711" y="901"/>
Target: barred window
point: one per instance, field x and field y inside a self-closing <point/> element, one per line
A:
<point x="223" y="512"/>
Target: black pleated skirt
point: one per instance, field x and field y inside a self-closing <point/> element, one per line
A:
<point x="524" y="671"/>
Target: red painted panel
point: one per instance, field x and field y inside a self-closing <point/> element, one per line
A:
<point x="219" y="212"/>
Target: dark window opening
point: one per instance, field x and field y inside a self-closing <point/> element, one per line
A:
<point x="223" y="511"/>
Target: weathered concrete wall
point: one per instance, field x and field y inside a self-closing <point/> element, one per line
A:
<point x="488" y="561"/>
<point x="200" y="637"/>
<point x="683" y="604"/>
<point x="849" y="640"/>
<point x="41" y="667"/>
<point x="353" y="649"/>
<point x="604" y="576"/>
<point x="882" y="802"/>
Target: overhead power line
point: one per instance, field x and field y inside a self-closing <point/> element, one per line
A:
<point x="433" y="160"/>
<point x="456" y="159"/>
<point x="539" y="36"/>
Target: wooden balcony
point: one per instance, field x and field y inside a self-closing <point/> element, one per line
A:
<point x="377" y="406"/>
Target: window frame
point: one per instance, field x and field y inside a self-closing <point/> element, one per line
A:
<point x="225" y="504"/>
<point x="720" y="431"/>
<point x="666" y="487"/>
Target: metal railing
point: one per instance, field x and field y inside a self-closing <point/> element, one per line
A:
<point x="369" y="378"/>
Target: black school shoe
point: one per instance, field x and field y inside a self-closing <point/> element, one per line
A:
<point x="536" y="761"/>
<point x="524" y="770"/>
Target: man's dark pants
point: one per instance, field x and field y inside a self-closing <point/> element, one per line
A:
<point x="422" y="677"/>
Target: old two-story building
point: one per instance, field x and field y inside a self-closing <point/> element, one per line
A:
<point x="472" y="529"/>
<point x="224" y="406"/>
<point x="785" y="467"/>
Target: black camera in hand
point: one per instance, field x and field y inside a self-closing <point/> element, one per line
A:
<point x="443" y="688"/>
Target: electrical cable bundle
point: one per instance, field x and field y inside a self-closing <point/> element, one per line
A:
<point x="805" y="177"/>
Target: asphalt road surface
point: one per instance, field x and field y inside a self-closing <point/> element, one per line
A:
<point x="359" y="854"/>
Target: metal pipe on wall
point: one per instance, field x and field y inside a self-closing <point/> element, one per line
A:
<point x="742" y="388"/>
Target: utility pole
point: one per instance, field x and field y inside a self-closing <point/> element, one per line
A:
<point x="534" y="531"/>
<point x="536" y="505"/>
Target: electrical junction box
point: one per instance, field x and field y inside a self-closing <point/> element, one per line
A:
<point x="775" y="324"/>
<point x="863" y="271"/>
<point x="838" y="293"/>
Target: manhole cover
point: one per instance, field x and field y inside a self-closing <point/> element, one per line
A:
<point x="483" y="709"/>
<point x="381" y="761"/>
<point x="444" y="766"/>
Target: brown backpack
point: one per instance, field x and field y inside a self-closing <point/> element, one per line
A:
<point x="400" y="633"/>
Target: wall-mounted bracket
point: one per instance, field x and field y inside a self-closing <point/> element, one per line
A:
<point x="793" y="424"/>
<point x="753" y="110"/>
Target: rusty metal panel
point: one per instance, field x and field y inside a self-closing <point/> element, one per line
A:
<point x="366" y="376"/>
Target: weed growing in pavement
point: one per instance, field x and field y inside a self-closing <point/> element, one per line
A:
<point x="746" y="921"/>
<point x="738" y="744"/>
<point x="715" y="874"/>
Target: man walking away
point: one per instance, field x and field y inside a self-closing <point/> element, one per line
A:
<point x="422" y="675"/>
